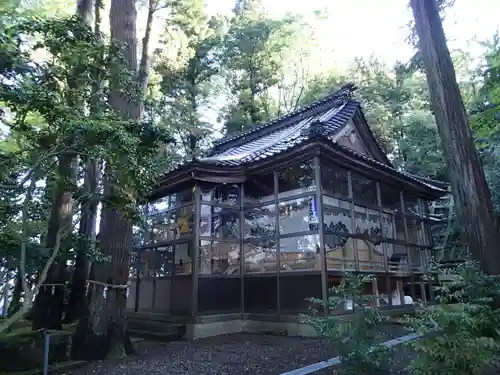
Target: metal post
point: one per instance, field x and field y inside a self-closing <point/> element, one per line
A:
<point x="46" y="346"/>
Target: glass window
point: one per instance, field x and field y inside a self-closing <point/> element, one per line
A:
<point x="297" y="179"/>
<point x="219" y="258"/>
<point x="298" y="215"/>
<point x="259" y="189"/>
<point x="413" y="205"/>
<point x="260" y="256"/>
<point x="334" y="181"/>
<point x="388" y="225"/>
<point x="299" y="253"/>
<point x="417" y="232"/>
<point x="182" y="259"/>
<point x="158" y="206"/>
<point x="171" y="225"/>
<point x="260" y="222"/>
<point x="134" y="261"/>
<point x="335" y="254"/>
<point x="337" y="215"/>
<point x="417" y="256"/>
<point x="390" y="197"/>
<point x="164" y="260"/>
<point x="219" y="222"/>
<point x="138" y="236"/>
<point x="367" y="222"/>
<point x="182" y="197"/>
<point x="225" y="193"/>
<point x="147" y="263"/>
<point x="171" y="201"/>
<point x="400" y="227"/>
<point x="364" y="190"/>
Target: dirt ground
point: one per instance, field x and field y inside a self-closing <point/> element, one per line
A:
<point x="228" y="354"/>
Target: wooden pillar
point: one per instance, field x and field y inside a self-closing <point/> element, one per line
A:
<point x="195" y="260"/>
<point x="278" y="247"/>
<point x="242" y="248"/>
<point x="353" y="221"/>
<point x="400" y="282"/>
<point x="321" y="228"/>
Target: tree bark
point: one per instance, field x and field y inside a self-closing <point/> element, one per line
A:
<point x="470" y="191"/>
<point x="48" y="306"/>
<point x="88" y="220"/>
<point x="87" y="237"/>
<point x="15" y="302"/>
<point x="103" y="332"/>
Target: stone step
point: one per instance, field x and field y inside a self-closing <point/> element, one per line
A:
<point x="155" y="326"/>
<point x="163" y="317"/>
<point x="156" y="336"/>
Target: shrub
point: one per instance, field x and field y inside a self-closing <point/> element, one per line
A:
<point x="356" y="337"/>
<point x="461" y="331"/>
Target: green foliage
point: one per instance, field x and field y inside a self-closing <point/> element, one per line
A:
<point x="396" y="106"/>
<point x="357" y="337"/>
<point x="187" y="67"/>
<point x="485" y="118"/>
<point x="252" y="61"/>
<point x="48" y="72"/>
<point x="466" y="341"/>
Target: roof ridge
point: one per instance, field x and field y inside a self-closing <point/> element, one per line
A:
<point x="346" y="90"/>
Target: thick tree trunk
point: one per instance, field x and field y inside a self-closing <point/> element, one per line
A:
<point x="86" y="230"/>
<point x="48" y="305"/>
<point x="15" y="302"/>
<point x="87" y="236"/>
<point x="103" y="331"/>
<point x="470" y="191"/>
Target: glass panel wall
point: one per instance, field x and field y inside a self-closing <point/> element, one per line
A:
<point x="219" y="249"/>
<point x="298" y="236"/>
<point x="170" y="218"/>
<point x="259" y="248"/>
<point x="373" y="227"/>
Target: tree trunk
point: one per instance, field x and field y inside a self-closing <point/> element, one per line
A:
<point x="103" y="331"/>
<point x="86" y="230"/>
<point x="15" y="302"/>
<point x="471" y="194"/>
<point x="48" y="305"/>
<point x="87" y="237"/>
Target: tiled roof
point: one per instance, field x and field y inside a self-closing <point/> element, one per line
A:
<point x="410" y="176"/>
<point x="324" y="117"/>
<point x="332" y="119"/>
<point x="344" y="93"/>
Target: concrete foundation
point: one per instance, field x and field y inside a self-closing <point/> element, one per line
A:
<point x="208" y="329"/>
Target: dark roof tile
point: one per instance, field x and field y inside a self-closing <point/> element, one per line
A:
<point x="333" y="120"/>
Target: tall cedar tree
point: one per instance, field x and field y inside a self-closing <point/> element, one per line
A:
<point x="252" y="61"/>
<point x="187" y="71"/>
<point x="88" y="218"/>
<point x="48" y="306"/>
<point x="471" y="194"/>
<point x="102" y="331"/>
